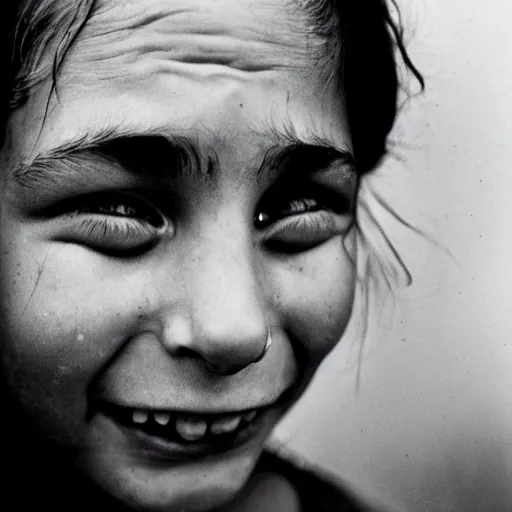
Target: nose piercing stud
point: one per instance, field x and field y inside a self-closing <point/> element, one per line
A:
<point x="266" y="347"/>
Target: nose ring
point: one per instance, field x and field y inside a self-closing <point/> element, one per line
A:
<point x="265" y="348"/>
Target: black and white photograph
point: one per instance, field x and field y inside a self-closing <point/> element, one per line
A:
<point x="255" y="255"/>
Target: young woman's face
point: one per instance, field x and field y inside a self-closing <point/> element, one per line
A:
<point x="191" y="188"/>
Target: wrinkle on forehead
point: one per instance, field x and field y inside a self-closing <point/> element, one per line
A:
<point x="127" y="38"/>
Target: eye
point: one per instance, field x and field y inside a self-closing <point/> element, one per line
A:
<point x="299" y="220"/>
<point x="288" y="208"/>
<point x="117" y="224"/>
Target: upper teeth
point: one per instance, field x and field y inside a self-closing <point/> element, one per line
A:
<point x="225" y="425"/>
<point x="162" y="418"/>
<point x="193" y="428"/>
<point x="140" y="417"/>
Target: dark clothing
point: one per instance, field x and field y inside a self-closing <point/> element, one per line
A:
<point x="317" y="492"/>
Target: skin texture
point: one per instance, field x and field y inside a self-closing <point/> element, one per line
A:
<point x="78" y="325"/>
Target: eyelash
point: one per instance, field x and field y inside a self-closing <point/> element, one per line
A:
<point x="95" y="224"/>
<point x="109" y="226"/>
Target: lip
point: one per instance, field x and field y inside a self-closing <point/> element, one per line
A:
<point x="200" y="409"/>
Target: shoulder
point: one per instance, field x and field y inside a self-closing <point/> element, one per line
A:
<point x="318" y="490"/>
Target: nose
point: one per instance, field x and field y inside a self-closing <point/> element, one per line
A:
<point x="224" y="324"/>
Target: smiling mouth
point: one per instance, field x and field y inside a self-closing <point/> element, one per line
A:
<point x="183" y="428"/>
<point x="173" y="435"/>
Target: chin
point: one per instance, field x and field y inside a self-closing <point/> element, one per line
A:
<point x="196" y="486"/>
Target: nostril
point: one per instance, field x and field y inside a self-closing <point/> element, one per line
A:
<point x="217" y="368"/>
<point x="187" y="353"/>
<point x="232" y="368"/>
<point x="224" y="370"/>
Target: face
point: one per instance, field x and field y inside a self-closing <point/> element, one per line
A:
<point x="191" y="190"/>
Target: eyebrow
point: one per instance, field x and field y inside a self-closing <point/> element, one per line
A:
<point x="143" y="154"/>
<point x="305" y="158"/>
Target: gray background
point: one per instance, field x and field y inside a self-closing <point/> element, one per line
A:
<point x="430" y="426"/>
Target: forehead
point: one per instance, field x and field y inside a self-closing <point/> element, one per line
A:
<point x="235" y="67"/>
<point x="152" y="35"/>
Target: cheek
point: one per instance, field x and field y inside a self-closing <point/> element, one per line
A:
<point x="61" y="324"/>
<point x="315" y="295"/>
